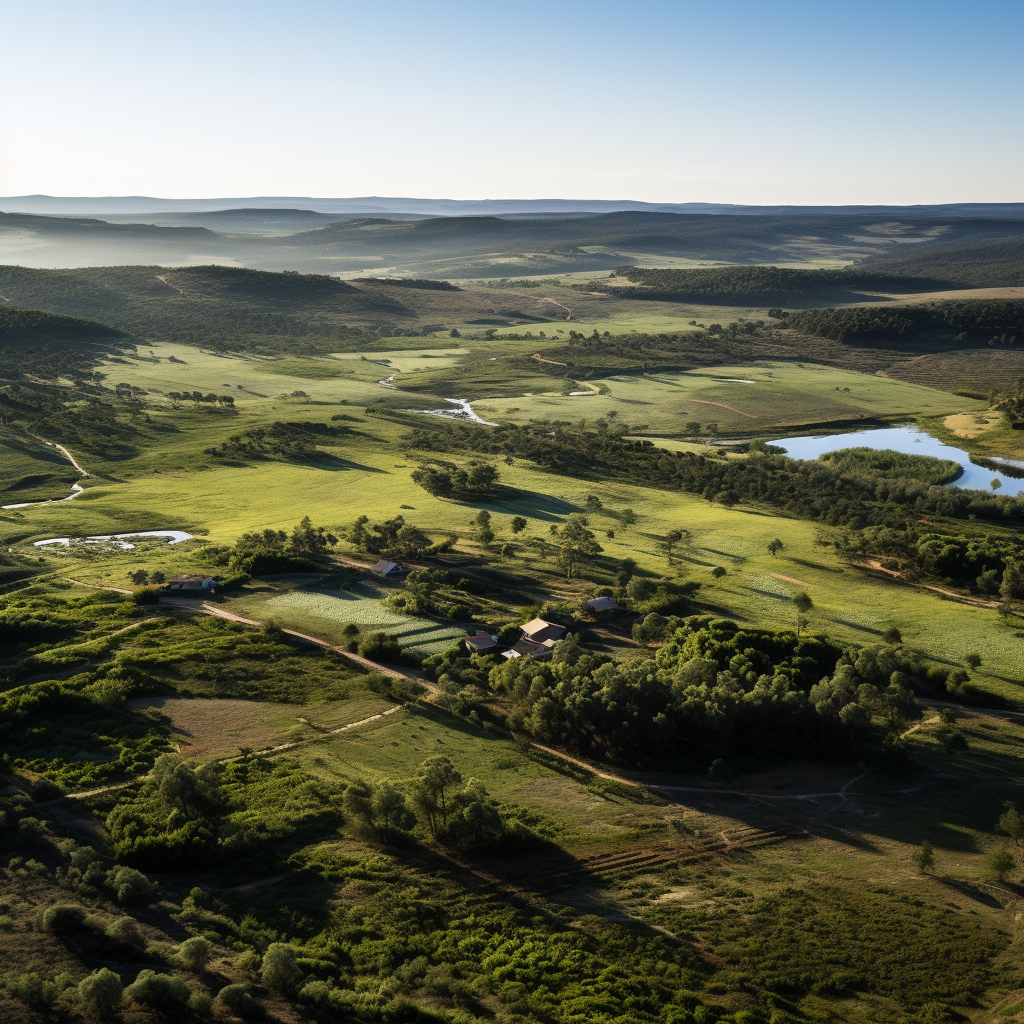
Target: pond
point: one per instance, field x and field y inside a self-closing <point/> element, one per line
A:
<point x="117" y="540"/>
<point x="911" y="441"/>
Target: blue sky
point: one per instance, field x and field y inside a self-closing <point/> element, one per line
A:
<point x="725" y="101"/>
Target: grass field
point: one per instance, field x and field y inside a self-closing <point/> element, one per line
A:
<point x="205" y="728"/>
<point x="324" y="614"/>
<point x="171" y="484"/>
<point x="778" y="395"/>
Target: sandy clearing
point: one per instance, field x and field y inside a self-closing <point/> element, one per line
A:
<point x="787" y="579"/>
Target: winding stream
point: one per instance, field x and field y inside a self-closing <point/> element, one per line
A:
<point x="76" y="489"/>
<point x="463" y="411"/>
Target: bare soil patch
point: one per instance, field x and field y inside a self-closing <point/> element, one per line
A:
<point x="213" y="727"/>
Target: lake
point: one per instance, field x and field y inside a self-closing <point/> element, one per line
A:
<point x="909" y="440"/>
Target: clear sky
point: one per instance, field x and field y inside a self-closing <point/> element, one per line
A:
<point x="832" y="101"/>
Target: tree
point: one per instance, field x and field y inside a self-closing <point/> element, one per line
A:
<point x="101" y="991"/>
<point x="803" y="603"/>
<point x="713" y="429"/>
<point x="438" y="778"/>
<point x="577" y="544"/>
<point x="422" y="586"/>
<point x="628" y="517"/>
<point x="998" y="865"/>
<point x="672" y="538"/>
<point x="718" y="572"/>
<point x="358" y="801"/>
<point x="1011" y="823"/>
<point x="390" y="807"/>
<point x="924" y="858"/>
<point x="139" y="577"/>
<point x="973" y="660"/>
<point x="775" y="546"/>
<point x="593" y="503"/>
<point x="518" y="524"/>
<point x="309" y="539"/>
<point x="280" y="970"/>
<point x="484" y="532"/>
<point x="627" y="570"/>
<point x="693" y="428"/>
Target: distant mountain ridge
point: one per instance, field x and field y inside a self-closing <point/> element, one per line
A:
<point x="378" y="205"/>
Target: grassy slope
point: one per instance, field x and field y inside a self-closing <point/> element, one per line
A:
<point x="175" y="486"/>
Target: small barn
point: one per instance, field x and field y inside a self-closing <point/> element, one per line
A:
<point x="481" y="643"/>
<point x="602" y="605"/>
<point x="389" y="570"/>
<point x="539" y="630"/>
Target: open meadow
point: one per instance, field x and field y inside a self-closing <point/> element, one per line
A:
<point x="776" y="783"/>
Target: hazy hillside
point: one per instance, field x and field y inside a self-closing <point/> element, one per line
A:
<point x="993" y="264"/>
<point x="489" y="246"/>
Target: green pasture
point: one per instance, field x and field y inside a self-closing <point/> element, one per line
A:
<point x="779" y="395"/>
<point x="324" y="613"/>
<point x="222" y="503"/>
<point x="171" y="484"/>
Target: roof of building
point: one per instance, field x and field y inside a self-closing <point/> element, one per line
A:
<point x="540" y="629"/>
<point x="386" y="568"/>
<point x="603" y="604"/>
<point x="523" y="646"/>
<point x="481" y="641"/>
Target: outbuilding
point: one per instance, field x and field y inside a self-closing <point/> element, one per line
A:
<point x="481" y="643"/>
<point x="389" y="570"/>
<point x="539" y="630"/>
<point x="602" y="605"/>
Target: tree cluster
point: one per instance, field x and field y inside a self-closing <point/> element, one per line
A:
<point x="448" y="480"/>
<point x="714" y="689"/>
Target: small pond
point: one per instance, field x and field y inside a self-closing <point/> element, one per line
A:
<point x="909" y="440"/>
<point x="117" y="540"/>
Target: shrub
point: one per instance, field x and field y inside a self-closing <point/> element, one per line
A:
<point x="248" y="962"/>
<point x="280" y="970"/>
<point x="201" y="1003"/>
<point x="154" y="989"/>
<point x="126" y="932"/>
<point x="130" y="885"/>
<point x="101" y="991"/>
<point x="31" y="989"/>
<point x="238" y="1000"/>
<point x="194" y="954"/>
<point x="63" y="917"/>
<point x="380" y="647"/>
<point x="46" y="789"/>
<point x="147" y="595"/>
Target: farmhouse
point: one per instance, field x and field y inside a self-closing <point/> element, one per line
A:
<point x="389" y="570"/>
<point x="539" y="630"/>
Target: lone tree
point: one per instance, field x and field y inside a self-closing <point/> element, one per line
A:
<point x="803" y="604"/>
<point x="672" y="538"/>
<point x="518" y="524"/>
<point x="484" y="531"/>
<point x="775" y="546"/>
<point x="924" y="858"/>
<point x="1011" y="823"/>
<point x="693" y="428"/>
